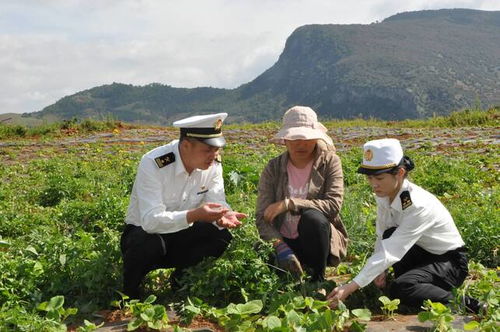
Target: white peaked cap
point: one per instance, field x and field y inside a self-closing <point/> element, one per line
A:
<point x="381" y="155"/>
<point x="206" y="128"/>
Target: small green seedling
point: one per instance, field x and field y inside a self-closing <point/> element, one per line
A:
<point x="147" y="314"/>
<point x="439" y="314"/>
<point x="55" y="310"/>
<point x="389" y="306"/>
<point x="88" y="326"/>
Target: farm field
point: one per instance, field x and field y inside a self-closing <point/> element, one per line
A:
<point x="64" y="193"/>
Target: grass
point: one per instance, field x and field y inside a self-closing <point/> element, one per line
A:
<point x="464" y="118"/>
<point x="62" y="211"/>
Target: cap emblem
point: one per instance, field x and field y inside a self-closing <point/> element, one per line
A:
<point x="218" y="124"/>
<point x="368" y="155"/>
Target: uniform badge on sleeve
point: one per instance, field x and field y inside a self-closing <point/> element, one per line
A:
<point x="405" y="199"/>
<point x="165" y="160"/>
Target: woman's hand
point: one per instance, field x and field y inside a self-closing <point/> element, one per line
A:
<point x="341" y="293"/>
<point x="274" y="210"/>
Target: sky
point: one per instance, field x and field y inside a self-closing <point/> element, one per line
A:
<point x="53" y="48"/>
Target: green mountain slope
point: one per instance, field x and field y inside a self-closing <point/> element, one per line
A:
<point x="411" y="65"/>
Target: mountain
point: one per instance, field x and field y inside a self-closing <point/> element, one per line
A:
<point x="410" y="65"/>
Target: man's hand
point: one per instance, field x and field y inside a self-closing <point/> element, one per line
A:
<point x="273" y="210"/>
<point x="208" y="212"/>
<point x="341" y="293"/>
<point x="380" y="280"/>
<point x="231" y="219"/>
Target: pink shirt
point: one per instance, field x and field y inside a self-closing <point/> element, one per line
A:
<point x="298" y="186"/>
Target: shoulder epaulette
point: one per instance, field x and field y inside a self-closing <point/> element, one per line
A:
<point x="405" y="199"/>
<point x="165" y="160"/>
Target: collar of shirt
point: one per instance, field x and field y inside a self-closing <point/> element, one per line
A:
<point x="179" y="165"/>
<point x="396" y="203"/>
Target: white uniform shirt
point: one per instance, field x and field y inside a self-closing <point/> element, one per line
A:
<point x="161" y="197"/>
<point x="423" y="221"/>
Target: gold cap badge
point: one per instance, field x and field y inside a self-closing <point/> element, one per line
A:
<point x="368" y="155"/>
<point x="218" y="124"/>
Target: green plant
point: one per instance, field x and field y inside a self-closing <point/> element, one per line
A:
<point x="439" y="314"/>
<point x="488" y="325"/>
<point x="55" y="312"/>
<point x="62" y="206"/>
<point x="88" y="326"/>
<point x="389" y="306"/>
<point x="147" y="314"/>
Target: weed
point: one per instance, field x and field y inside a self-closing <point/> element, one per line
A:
<point x="147" y="314"/>
<point x="389" y="306"/>
<point x="439" y="314"/>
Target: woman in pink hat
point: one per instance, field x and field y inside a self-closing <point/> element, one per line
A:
<point x="300" y="196"/>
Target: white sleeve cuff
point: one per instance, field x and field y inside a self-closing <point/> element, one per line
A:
<point x="361" y="280"/>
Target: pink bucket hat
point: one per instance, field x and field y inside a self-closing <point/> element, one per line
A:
<point x="301" y="122"/>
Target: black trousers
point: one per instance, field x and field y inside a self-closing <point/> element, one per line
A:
<point x="421" y="275"/>
<point x="312" y="247"/>
<point x="143" y="252"/>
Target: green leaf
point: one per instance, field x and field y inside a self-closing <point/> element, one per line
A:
<point x="159" y="312"/>
<point x="54" y="315"/>
<point x="70" y="311"/>
<point x="42" y="306"/>
<point x="145" y="316"/>
<point x="32" y="250"/>
<point x="62" y="259"/>
<point x="55" y="303"/>
<point x="252" y="307"/>
<point x="150" y="299"/>
<point x="293" y="318"/>
<point x="472" y="325"/>
<point x="439" y="307"/>
<point x="363" y="314"/>
<point x="232" y="309"/>
<point x="357" y="327"/>
<point x="38" y="268"/>
<point x="273" y="322"/>
<point x="133" y="325"/>
<point x="424" y="316"/>
<point x="193" y="309"/>
<point x="384" y="299"/>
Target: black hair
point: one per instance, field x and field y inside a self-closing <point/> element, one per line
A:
<point x="406" y="163"/>
<point x="187" y="138"/>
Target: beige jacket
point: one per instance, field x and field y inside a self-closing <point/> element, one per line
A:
<point x="326" y="188"/>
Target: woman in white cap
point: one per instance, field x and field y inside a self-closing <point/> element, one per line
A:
<point x="300" y="196"/>
<point x="416" y="235"/>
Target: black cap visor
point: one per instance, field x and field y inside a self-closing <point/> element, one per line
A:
<point x="218" y="142"/>
<point x="370" y="171"/>
<point x="209" y="136"/>
<point x="373" y="171"/>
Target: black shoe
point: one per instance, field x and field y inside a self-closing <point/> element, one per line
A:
<point x="474" y="306"/>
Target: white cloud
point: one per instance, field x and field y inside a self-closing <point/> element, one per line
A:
<point x="52" y="48"/>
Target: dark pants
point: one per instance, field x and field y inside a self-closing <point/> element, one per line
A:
<point x="420" y="275"/>
<point x="312" y="247"/>
<point x="143" y="252"/>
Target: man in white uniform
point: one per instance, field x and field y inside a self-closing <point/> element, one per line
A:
<point x="178" y="213"/>
<point x="416" y="235"/>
